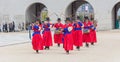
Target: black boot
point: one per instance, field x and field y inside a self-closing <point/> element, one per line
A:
<point x="37" y="51"/>
<point x="78" y="47"/>
<point x="87" y="45"/>
<point x="67" y="52"/>
<point x="58" y="45"/>
<point x="46" y="47"/>
<point x="92" y="43"/>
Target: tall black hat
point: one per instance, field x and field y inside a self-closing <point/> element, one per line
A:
<point x="86" y="17"/>
<point x="58" y="19"/>
<point x="47" y="19"/>
<point x="92" y="18"/>
<point x="68" y="19"/>
<point x="78" y="17"/>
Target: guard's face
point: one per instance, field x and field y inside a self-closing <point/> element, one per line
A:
<point x="67" y="21"/>
<point x="59" y="21"/>
<point x="76" y="21"/>
<point x="86" y="20"/>
<point x="37" y="22"/>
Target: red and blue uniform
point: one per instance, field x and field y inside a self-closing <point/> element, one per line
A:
<point x="87" y="36"/>
<point x="77" y="36"/>
<point x="58" y="37"/>
<point x="37" y="41"/>
<point x="47" y="36"/>
<point x="68" y="38"/>
<point x="93" y="34"/>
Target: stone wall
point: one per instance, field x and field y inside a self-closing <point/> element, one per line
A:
<point x="57" y="8"/>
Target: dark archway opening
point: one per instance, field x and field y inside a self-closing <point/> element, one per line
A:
<point x="36" y="11"/>
<point x="80" y="8"/>
<point x="116" y="16"/>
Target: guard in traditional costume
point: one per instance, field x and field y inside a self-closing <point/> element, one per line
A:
<point x="93" y="32"/>
<point x="77" y="36"/>
<point x="58" y="35"/>
<point x="47" y="36"/>
<point x="86" y="31"/>
<point x="68" y="39"/>
<point x="37" y="41"/>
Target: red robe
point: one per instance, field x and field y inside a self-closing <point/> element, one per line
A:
<point x="77" y="35"/>
<point x="58" y="37"/>
<point x="37" y="41"/>
<point x="47" y="36"/>
<point x="87" y="36"/>
<point x="68" y="38"/>
<point x="93" y="35"/>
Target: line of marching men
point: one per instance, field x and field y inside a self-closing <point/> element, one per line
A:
<point x="72" y="33"/>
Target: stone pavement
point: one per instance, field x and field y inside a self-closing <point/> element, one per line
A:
<point x="106" y="50"/>
<point x="13" y="38"/>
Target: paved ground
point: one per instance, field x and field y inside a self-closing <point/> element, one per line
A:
<point x="106" y="50"/>
<point x="13" y="38"/>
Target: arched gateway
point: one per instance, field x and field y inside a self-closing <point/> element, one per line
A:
<point x="36" y="11"/>
<point x="116" y="16"/>
<point x="80" y="8"/>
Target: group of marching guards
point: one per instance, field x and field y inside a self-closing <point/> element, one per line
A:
<point x="72" y="33"/>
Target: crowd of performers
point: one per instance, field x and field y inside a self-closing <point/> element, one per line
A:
<point x="72" y="33"/>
